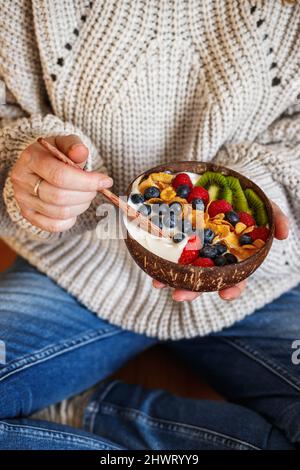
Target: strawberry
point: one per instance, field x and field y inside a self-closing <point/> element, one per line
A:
<point x="261" y="233"/>
<point x="246" y="218"/>
<point x="204" y="262"/>
<point x="191" y="250"/>
<point x="182" y="178"/>
<point x="219" y="207"/>
<point x="199" y="193"/>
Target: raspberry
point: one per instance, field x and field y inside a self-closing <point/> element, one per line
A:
<point x="261" y="233"/>
<point x="190" y="251"/>
<point x="219" y="207"/>
<point x="204" y="262"/>
<point x="246" y="218"/>
<point x="180" y="179"/>
<point x="199" y="193"/>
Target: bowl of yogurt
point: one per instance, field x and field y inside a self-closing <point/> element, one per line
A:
<point x="218" y="225"/>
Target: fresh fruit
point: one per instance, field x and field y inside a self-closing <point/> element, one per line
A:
<point x="153" y="191"/>
<point x="180" y="179"/>
<point x="145" y="209"/>
<point x="208" y="251"/>
<point x="209" y="235"/>
<point x="246" y="218"/>
<point x="232" y="221"/>
<point x="245" y="239"/>
<point x="258" y="207"/>
<point x="230" y="258"/>
<point x="203" y="262"/>
<point x="226" y="194"/>
<point x="178" y="237"/>
<point x="191" y="250"/>
<point x="175" y="207"/>
<point x="220" y="261"/>
<point x="239" y="201"/>
<point x="183" y="191"/>
<point x="170" y="220"/>
<point x="199" y="193"/>
<point x="198" y="204"/>
<point x="160" y="208"/>
<point x="216" y="185"/>
<point x="156" y="219"/>
<point x="232" y="217"/>
<point x="221" y="247"/>
<point x="260" y="233"/>
<point x="137" y="198"/>
<point x="185" y="226"/>
<point x="218" y="207"/>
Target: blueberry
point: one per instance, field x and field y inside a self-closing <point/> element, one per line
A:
<point x="198" y="204"/>
<point x="220" y="261"/>
<point x="156" y="219"/>
<point x="160" y="208"/>
<point x="183" y="191"/>
<point x="245" y="240"/>
<point x="209" y="251"/>
<point x="137" y="198"/>
<point x="232" y="217"/>
<point x="169" y="220"/>
<point x="185" y="226"/>
<point x="169" y="172"/>
<point x="178" y="237"/>
<point x="175" y="208"/>
<point x="145" y="209"/>
<point x="151" y="192"/>
<point x="230" y="258"/>
<point x="221" y="247"/>
<point x="209" y="235"/>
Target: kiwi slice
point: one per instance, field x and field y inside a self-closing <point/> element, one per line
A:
<point x="257" y="206"/>
<point x="239" y="199"/>
<point x="216" y="185"/>
<point x="226" y="194"/>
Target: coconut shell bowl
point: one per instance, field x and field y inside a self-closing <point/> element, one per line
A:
<point x="198" y="278"/>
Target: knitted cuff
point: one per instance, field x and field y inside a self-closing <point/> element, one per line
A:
<point x="13" y="140"/>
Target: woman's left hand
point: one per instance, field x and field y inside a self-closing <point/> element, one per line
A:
<point x="281" y="233"/>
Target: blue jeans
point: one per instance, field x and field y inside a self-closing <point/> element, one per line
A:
<point x="56" y="348"/>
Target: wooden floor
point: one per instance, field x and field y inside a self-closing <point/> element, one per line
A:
<point x="155" y="368"/>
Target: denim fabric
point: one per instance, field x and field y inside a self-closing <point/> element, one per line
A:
<point x="56" y="348"/>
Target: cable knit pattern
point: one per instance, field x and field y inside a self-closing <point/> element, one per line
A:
<point x="145" y="82"/>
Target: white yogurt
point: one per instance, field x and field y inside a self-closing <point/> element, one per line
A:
<point x="163" y="247"/>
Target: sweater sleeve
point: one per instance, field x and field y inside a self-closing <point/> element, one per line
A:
<point x="25" y="114"/>
<point x="273" y="163"/>
<point x="14" y="138"/>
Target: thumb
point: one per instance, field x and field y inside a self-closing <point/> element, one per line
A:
<point x="72" y="146"/>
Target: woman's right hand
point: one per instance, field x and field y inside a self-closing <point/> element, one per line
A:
<point x="65" y="191"/>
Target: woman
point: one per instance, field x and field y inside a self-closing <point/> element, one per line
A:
<point x="120" y="87"/>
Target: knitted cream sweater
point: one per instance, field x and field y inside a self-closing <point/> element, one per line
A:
<point x="144" y="82"/>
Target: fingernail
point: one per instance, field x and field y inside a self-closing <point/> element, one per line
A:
<point x="228" y="296"/>
<point x="75" y="147"/>
<point x="106" y="182"/>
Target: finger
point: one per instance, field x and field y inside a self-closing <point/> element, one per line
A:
<point x="45" y="223"/>
<point x="73" y="147"/>
<point x="50" y="210"/>
<point x="234" y="292"/>
<point x="180" y="295"/>
<point x="158" y="284"/>
<point x="63" y="176"/>
<point x="52" y="194"/>
<point x="281" y="223"/>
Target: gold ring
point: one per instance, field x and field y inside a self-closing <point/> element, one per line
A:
<point x="37" y="187"/>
